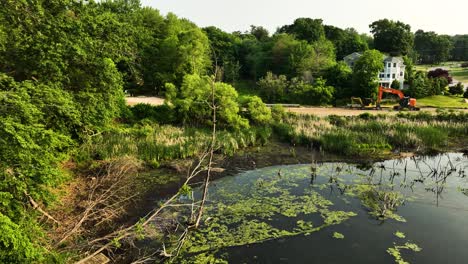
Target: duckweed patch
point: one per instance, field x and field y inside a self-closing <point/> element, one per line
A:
<point x="400" y="234"/>
<point x="395" y="251"/>
<point x="274" y="206"/>
<point x="338" y="235"/>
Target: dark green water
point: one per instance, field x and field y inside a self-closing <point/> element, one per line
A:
<point x="258" y="216"/>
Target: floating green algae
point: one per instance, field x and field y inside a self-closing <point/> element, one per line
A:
<point x="247" y="215"/>
<point x="338" y="235"/>
<point x="395" y="251"/>
<point x="400" y="234"/>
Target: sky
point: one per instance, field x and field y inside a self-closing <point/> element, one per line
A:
<point x="443" y="17"/>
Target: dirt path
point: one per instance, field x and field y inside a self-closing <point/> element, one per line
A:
<point x="144" y="100"/>
<point x="318" y="111"/>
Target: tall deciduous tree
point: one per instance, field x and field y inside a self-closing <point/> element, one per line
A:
<point x="305" y="29"/>
<point x="431" y="47"/>
<point x="345" y="41"/>
<point x="393" y="37"/>
<point x="365" y="74"/>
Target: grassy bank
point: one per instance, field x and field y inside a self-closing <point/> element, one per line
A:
<point x="442" y="101"/>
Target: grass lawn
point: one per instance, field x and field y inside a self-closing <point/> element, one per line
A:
<point x="442" y="101"/>
<point x="460" y="74"/>
<point x="457" y="72"/>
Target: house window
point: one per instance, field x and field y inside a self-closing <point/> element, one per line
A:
<point x="382" y="75"/>
<point x="388" y="75"/>
<point x="389" y="65"/>
<point x="393" y="76"/>
<point x="401" y="73"/>
<point x="394" y="65"/>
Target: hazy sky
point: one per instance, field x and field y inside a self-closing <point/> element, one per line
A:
<point x="443" y="17"/>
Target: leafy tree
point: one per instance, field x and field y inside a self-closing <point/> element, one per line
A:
<point x="183" y="50"/>
<point x="287" y="54"/>
<point x="409" y="70"/>
<point x="437" y="85"/>
<point x="459" y="51"/>
<point x="225" y="49"/>
<point x="365" y="74"/>
<point x="393" y="37"/>
<point x="29" y="154"/>
<point x="190" y="102"/>
<point x="307" y="29"/>
<point x="340" y="77"/>
<point x="432" y="48"/>
<point x="345" y="41"/>
<point x="260" y="33"/>
<point x="254" y="58"/>
<point x="419" y="86"/>
<point x="440" y="73"/>
<point x="323" y="56"/>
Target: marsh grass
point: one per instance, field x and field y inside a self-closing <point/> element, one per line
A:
<point x="155" y="143"/>
<point x="362" y="135"/>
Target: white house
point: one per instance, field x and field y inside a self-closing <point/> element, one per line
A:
<point x="394" y="69"/>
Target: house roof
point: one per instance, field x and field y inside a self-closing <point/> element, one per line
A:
<point x="353" y="56"/>
<point x="393" y="59"/>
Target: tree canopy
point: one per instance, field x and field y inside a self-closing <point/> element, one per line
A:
<point x="393" y="37"/>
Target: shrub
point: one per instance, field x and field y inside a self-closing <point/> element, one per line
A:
<point x="256" y="111"/>
<point x="457" y="89"/>
<point x="464" y="65"/>
<point x="162" y="113"/>
<point x="278" y="113"/>
<point x="273" y="87"/>
<point x="395" y="84"/>
<point x="440" y="73"/>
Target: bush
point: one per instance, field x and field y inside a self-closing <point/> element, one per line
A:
<point x="464" y="65"/>
<point x="278" y="113"/>
<point x="256" y="111"/>
<point x="457" y="89"/>
<point x="395" y="84"/>
<point x="162" y="114"/>
<point x="273" y="88"/>
<point x="440" y="73"/>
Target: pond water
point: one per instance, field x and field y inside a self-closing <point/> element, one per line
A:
<point x="409" y="210"/>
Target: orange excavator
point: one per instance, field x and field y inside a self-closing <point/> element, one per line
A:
<point x="368" y="103"/>
<point x="405" y="101"/>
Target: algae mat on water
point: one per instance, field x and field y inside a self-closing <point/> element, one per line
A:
<point x="285" y="202"/>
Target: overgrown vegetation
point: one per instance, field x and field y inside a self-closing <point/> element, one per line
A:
<point x="65" y="64"/>
<point x="366" y="134"/>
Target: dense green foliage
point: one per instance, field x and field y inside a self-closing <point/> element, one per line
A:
<point x="279" y="89"/>
<point x="65" y="66"/>
<point x="193" y="105"/>
<point x="366" y="71"/>
<point x="432" y="48"/>
<point x="392" y="37"/>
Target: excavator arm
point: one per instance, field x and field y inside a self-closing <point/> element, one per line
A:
<point x="405" y="102"/>
<point x="389" y="90"/>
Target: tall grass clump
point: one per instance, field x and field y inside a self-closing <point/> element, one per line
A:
<point x="154" y="143"/>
